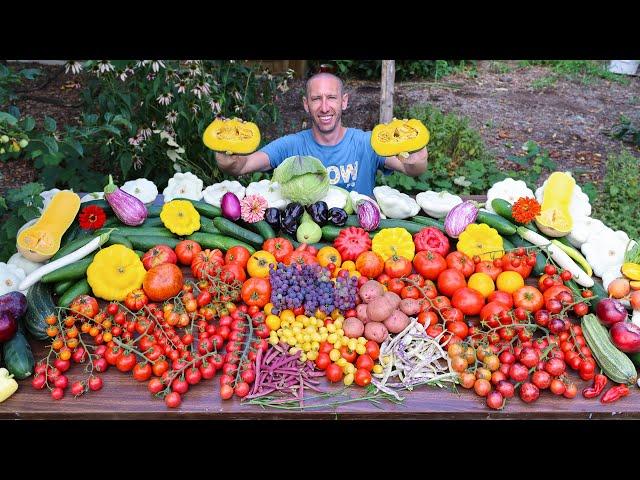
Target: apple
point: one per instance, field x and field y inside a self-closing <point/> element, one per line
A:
<point x="159" y="255"/>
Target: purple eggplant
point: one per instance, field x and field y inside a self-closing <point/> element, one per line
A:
<point x="273" y="217"/>
<point x="130" y="210"/>
<point x="230" y="205"/>
<point x="15" y="303"/>
<point x="337" y="216"/>
<point x="8" y="326"/>
<point x="368" y="215"/>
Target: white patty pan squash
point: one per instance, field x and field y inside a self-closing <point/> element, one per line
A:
<point x="92" y="196"/>
<point x="270" y="191"/>
<point x="395" y="204"/>
<point x="10" y="278"/>
<point x="508" y="189"/>
<point x="25" y="264"/>
<point x="437" y="204"/>
<point x="183" y="185"/>
<point x="583" y="228"/>
<point x="579" y="205"/>
<point x="141" y="188"/>
<point x="606" y="249"/>
<point x="213" y="193"/>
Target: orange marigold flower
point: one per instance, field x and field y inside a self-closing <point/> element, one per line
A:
<point x="525" y="209"/>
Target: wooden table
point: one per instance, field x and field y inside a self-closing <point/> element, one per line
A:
<point x="124" y="398"/>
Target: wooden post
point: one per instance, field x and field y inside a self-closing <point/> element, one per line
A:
<point x="386" y="96"/>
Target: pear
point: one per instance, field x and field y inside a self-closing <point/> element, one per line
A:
<point x="308" y="231"/>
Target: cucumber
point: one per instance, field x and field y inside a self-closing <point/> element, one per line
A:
<point x="18" y="357"/>
<point x="501" y="224"/>
<point x="207" y="226"/>
<point x="507" y="245"/>
<point x="615" y="364"/>
<point x="71" y="234"/>
<point x="73" y="271"/>
<point x="429" y="222"/>
<point x="39" y="305"/>
<point x="141" y="231"/>
<point x="635" y="358"/>
<point x="112" y="222"/>
<point x="318" y="245"/>
<point x="139" y="253"/>
<point x="352" y="221"/>
<point x="599" y="292"/>
<point x="61" y="287"/>
<point x="114" y="238"/>
<point x="503" y="208"/>
<point x="81" y="287"/>
<point x="152" y="222"/>
<point x="228" y="228"/>
<point x="72" y="247"/>
<point x="330" y="232"/>
<point x="411" y="227"/>
<point x="154" y="210"/>
<point x="144" y="243"/>
<point x="212" y="240"/>
<point x="98" y="202"/>
<point x="203" y="208"/>
<point x="262" y="228"/>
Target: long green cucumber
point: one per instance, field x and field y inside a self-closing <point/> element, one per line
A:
<point x="213" y="240"/>
<point x="72" y="247"/>
<point x="154" y="210"/>
<point x="207" y="226"/>
<point x="73" y="271"/>
<point x="144" y="243"/>
<point x="429" y="222"/>
<point x="61" y="287"/>
<point x="228" y="228"/>
<point x="330" y="232"/>
<point x="81" y="287"/>
<point x="139" y="253"/>
<point x="203" y="208"/>
<point x="141" y="231"/>
<point x="152" y="222"/>
<point x="115" y="238"/>
<point x="317" y="245"/>
<point x="507" y="245"/>
<point x="262" y="228"/>
<point x="503" y="208"/>
<point x="502" y="225"/>
<point x="103" y="204"/>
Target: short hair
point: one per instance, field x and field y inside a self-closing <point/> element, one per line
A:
<point x="326" y="75"/>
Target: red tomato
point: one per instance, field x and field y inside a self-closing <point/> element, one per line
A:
<point x="550" y="293"/>
<point x="395" y="285"/>
<point x="397" y="266"/>
<point x="430" y="238"/>
<point x="373" y="349"/>
<point x="429" y="264"/>
<point x="278" y="247"/>
<point x="362" y="377"/>
<point x="512" y="262"/>
<point x="501" y="297"/>
<point x="206" y="263"/>
<point x="468" y="300"/>
<point x="334" y="373"/>
<point x="490" y="313"/>
<point x="256" y="291"/>
<point x="238" y="255"/>
<point x="487" y="266"/>
<point x="544" y="284"/>
<point x="427" y="318"/>
<point x="323" y="361"/>
<point x="233" y="271"/>
<point x="451" y="280"/>
<point x="462" y="262"/>
<point x="529" y="298"/>
<point x="452" y="314"/>
<point x="85" y="306"/>
<point x="458" y="328"/>
<point x="410" y="292"/>
<point x="186" y="250"/>
<point x="383" y="278"/>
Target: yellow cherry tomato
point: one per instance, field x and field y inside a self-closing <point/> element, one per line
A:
<point x="481" y="282"/>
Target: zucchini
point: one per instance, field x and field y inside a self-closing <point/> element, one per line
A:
<point x="207" y="226"/>
<point x="73" y="271"/>
<point x="213" y="240"/>
<point x="152" y="222"/>
<point x="501" y="224"/>
<point x="503" y="208"/>
<point x="615" y="364"/>
<point x="81" y="287"/>
<point x="73" y="246"/>
<point x="154" y="210"/>
<point x="39" y="305"/>
<point x="61" y="287"/>
<point x="115" y="238"/>
<point x="507" y="245"/>
<point x="262" y="228"/>
<point x="18" y="357"/>
<point x="144" y="243"/>
<point x="411" y="227"/>
<point x="228" y="228"/>
<point x="429" y="222"/>
<point x="203" y="208"/>
<point x="330" y="232"/>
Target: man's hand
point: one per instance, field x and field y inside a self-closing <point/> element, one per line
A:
<point x="414" y="165"/>
<point x="241" y="164"/>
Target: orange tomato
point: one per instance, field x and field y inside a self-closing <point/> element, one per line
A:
<point x="369" y="264"/>
<point x="509" y="281"/>
<point x="327" y="255"/>
<point x="482" y="282"/>
<point x="258" y="264"/>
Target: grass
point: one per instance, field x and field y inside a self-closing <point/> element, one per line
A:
<point x="584" y="71"/>
<point x="496" y="66"/>
<point x="544" y="82"/>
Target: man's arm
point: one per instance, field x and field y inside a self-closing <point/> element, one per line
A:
<point x="241" y="164"/>
<point x="413" y="166"/>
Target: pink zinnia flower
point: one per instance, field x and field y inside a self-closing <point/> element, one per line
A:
<point x="252" y="208"/>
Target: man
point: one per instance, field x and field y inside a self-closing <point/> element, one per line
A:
<point x="346" y="152"/>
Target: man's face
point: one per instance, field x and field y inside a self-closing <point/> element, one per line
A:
<point x="324" y="103"/>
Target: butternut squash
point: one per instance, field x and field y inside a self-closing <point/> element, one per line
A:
<point x="555" y="219"/>
<point x="41" y="241"/>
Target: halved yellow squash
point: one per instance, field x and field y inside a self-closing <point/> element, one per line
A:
<point x="232" y="135"/>
<point x="41" y="241"/>
<point x="554" y="219"/>
<point x="399" y="137"/>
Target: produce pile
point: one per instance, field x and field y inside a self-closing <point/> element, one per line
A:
<point x="286" y="286"/>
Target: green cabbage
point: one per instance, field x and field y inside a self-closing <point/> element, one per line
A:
<point x="302" y="179"/>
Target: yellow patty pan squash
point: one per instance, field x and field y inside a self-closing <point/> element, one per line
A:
<point x="41" y="241"/>
<point x="399" y="137"/>
<point x="482" y="240"/>
<point x="393" y="241"/>
<point x="232" y="135"/>
<point x="554" y="219"/>
<point x="180" y="216"/>
<point x="114" y="272"/>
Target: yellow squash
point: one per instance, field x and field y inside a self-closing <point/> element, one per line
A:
<point x="481" y="240"/>
<point x="41" y="241"/>
<point x="554" y="219"/>
<point x="393" y="241"/>
<point x="399" y="137"/>
<point x="232" y="135"/>
<point x="180" y="216"/>
<point x="114" y="272"/>
<point x="631" y="270"/>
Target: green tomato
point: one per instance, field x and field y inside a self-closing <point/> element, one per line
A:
<point x="24" y="142"/>
<point x="4" y="139"/>
<point x="2" y="151"/>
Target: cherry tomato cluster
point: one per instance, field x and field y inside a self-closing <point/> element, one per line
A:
<point x="347" y="362"/>
<point x="577" y="353"/>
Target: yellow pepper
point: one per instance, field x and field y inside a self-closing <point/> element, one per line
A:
<point x="481" y="240"/>
<point x="631" y="270"/>
<point x="181" y="217"/>
<point x="393" y="241"/>
<point x="114" y="272"/>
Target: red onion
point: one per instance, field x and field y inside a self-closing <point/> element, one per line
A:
<point x="230" y="205"/>
<point x="610" y="311"/>
<point x="626" y="336"/>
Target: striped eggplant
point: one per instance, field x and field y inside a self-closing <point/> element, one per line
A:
<point x="368" y="215"/>
<point x="130" y="210"/>
<point x="459" y="217"/>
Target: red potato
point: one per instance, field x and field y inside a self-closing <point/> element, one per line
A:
<point x="353" y="328"/>
<point x="376" y="331"/>
<point x="396" y="322"/>
<point x="370" y="291"/>
<point x="410" y="306"/>
<point x="361" y="312"/>
<point x="381" y="308"/>
<point x="394" y="298"/>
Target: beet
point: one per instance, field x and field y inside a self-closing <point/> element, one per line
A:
<point x="15" y="303"/>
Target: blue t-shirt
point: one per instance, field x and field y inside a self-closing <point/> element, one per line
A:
<point x="351" y="164"/>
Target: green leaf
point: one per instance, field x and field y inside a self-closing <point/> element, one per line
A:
<point x="76" y="145"/>
<point x="49" y="124"/>
<point x="591" y="191"/>
<point x="15" y="111"/>
<point x="125" y="163"/>
<point x="3" y="203"/>
<point x="8" y="118"/>
<point x="52" y="159"/>
<point x="51" y="144"/>
<point x="112" y="129"/>
<point x="30" y="73"/>
<point x="28" y="123"/>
